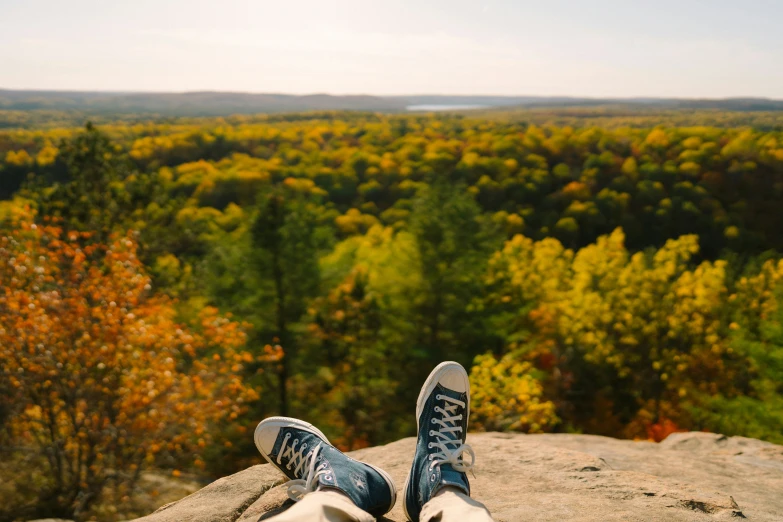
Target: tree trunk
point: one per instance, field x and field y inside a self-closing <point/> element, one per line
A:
<point x="282" y="331"/>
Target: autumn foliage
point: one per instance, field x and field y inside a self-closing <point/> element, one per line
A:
<point x="599" y="272"/>
<point x="629" y="342"/>
<point x="507" y="396"/>
<point x="103" y="379"/>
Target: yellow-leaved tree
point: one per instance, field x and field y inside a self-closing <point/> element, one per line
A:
<point x="506" y="395"/>
<point x="623" y="338"/>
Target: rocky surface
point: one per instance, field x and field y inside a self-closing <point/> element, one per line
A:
<point x="688" y="477"/>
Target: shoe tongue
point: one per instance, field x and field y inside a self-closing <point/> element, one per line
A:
<point x="454" y="435"/>
<point x="450" y="477"/>
<point x="451" y="393"/>
<point x="299" y="454"/>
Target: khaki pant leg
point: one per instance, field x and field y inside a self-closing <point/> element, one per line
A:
<point x="451" y="506"/>
<point x="324" y="506"/>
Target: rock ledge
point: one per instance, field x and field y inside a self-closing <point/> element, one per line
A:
<point x="688" y="477"/>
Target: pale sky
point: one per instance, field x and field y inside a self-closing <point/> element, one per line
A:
<point x="682" y="48"/>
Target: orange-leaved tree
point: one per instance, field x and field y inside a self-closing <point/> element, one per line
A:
<point x="101" y="378"/>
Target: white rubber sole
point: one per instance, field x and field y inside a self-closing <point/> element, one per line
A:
<point x="289" y="422"/>
<point x="426" y="390"/>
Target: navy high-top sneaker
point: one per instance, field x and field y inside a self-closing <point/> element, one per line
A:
<point x="304" y="455"/>
<point x="442" y="413"/>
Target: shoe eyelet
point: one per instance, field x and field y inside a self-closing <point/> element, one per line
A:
<point x="429" y="446"/>
<point x="432" y="478"/>
<point x="432" y="421"/>
<point x="438" y="397"/>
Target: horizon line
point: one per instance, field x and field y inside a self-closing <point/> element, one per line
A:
<point x="272" y="93"/>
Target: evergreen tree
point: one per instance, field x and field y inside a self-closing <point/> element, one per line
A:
<point x="453" y="248"/>
<point x="286" y="255"/>
<point x="88" y="189"/>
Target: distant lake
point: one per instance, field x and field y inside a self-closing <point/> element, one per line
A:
<point x="441" y="107"/>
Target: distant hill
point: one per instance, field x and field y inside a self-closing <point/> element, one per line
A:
<point x="227" y="103"/>
<point x="189" y="103"/>
<point x="726" y="104"/>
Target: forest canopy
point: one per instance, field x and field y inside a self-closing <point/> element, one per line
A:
<point x="596" y="271"/>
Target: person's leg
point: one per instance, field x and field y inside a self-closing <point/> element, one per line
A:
<point x="451" y="505"/>
<point x="324" y="506"/>
<point x="437" y="487"/>
<point x="325" y="483"/>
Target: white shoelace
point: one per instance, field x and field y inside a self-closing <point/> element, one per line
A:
<point x="447" y="435"/>
<point x="298" y="488"/>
